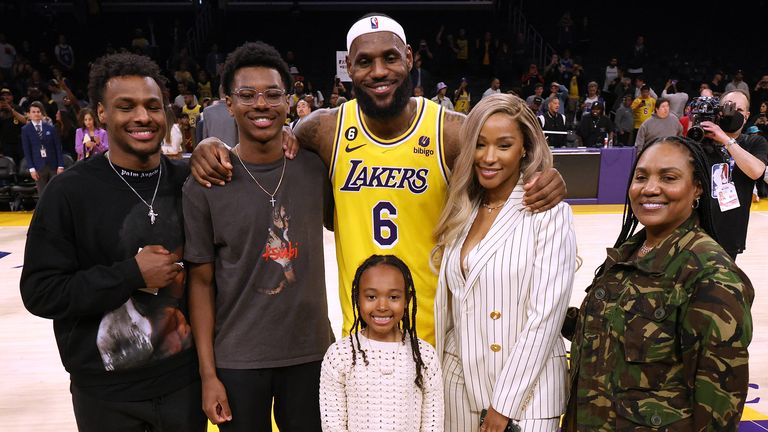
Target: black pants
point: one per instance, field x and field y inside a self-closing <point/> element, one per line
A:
<point x="296" y="392"/>
<point x="45" y="175"/>
<point x="180" y="411"/>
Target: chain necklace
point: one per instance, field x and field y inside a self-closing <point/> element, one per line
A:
<point x="644" y="249"/>
<point x="493" y="208"/>
<point x="152" y="215"/>
<point x="271" y="195"/>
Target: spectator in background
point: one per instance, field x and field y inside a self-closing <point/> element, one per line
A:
<point x="440" y="97"/>
<point x="204" y="89"/>
<point x="530" y="80"/>
<point x="559" y="92"/>
<point x="213" y="62"/>
<point x="553" y="71"/>
<point x="219" y="122"/>
<point x="171" y="145"/>
<point x="662" y="123"/>
<point x="737" y="83"/>
<point x="420" y="77"/>
<point x="426" y="55"/>
<point x="303" y="109"/>
<point x="297" y="94"/>
<point x="639" y="83"/>
<point x="193" y="110"/>
<point x="333" y="100"/>
<point x="493" y="89"/>
<point x="643" y="107"/>
<point x="576" y="87"/>
<point x="57" y="93"/>
<point x="65" y="125"/>
<point x="553" y="123"/>
<point x="183" y="88"/>
<point x="677" y="99"/>
<point x="462" y="51"/>
<point x="314" y="96"/>
<point x="536" y="105"/>
<point x="624" y="122"/>
<point x="462" y="98"/>
<point x="12" y="120"/>
<point x="181" y="134"/>
<point x="417" y="91"/>
<point x="42" y="148"/>
<point x="595" y="129"/>
<point x="139" y="43"/>
<point x="487" y="53"/>
<point x="638" y="58"/>
<point x="7" y="57"/>
<point x="90" y="138"/>
<point x="611" y="74"/>
<point x="593" y="95"/>
<point x="538" y="91"/>
<point x="565" y="30"/>
<point x="716" y="84"/>
<point x="761" y="120"/>
<point x="65" y="55"/>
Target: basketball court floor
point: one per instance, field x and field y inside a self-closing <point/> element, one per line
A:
<point x="36" y="395"/>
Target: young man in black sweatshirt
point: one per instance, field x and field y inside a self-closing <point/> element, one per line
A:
<point x="103" y="260"/>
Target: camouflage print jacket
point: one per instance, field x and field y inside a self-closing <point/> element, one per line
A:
<point x="661" y="341"/>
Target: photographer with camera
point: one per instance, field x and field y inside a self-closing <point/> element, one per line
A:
<point x="739" y="161"/>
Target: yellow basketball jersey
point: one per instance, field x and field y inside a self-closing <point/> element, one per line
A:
<point x="388" y="196"/>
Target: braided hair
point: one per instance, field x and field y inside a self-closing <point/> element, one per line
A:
<point x="409" y="316"/>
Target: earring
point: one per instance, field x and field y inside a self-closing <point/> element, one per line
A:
<point x="524" y="153"/>
<point x="696" y="203"/>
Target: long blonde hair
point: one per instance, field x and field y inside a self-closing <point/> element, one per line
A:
<point x="464" y="190"/>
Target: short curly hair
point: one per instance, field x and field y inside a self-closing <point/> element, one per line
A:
<point x="257" y="54"/>
<point x="118" y="65"/>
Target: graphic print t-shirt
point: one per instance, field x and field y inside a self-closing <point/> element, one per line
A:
<point x="271" y="308"/>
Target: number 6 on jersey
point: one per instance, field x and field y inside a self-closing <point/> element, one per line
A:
<point x="384" y="228"/>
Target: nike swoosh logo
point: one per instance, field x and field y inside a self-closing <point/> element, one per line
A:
<point x="351" y="149"/>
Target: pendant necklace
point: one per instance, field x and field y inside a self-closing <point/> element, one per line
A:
<point x="271" y="195"/>
<point x="644" y="249"/>
<point x="152" y="215"/>
<point x="381" y="354"/>
<point x="493" y="208"/>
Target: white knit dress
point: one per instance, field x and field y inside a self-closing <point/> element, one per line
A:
<point x="381" y="396"/>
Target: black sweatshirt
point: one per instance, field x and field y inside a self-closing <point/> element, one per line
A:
<point x="117" y="342"/>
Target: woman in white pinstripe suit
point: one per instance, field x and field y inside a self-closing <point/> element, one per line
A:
<point x="505" y="278"/>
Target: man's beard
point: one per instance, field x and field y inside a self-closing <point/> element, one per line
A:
<point x="400" y="100"/>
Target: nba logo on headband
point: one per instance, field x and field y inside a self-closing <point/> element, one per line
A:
<point x="374" y="24"/>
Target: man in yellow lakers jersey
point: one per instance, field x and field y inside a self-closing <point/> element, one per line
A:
<point x="389" y="156"/>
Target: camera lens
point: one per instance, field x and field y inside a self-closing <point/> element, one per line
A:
<point x="695" y="133"/>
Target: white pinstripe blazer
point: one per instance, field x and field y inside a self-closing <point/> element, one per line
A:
<point x="507" y="314"/>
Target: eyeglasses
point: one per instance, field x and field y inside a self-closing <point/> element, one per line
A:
<point x="249" y="96"/>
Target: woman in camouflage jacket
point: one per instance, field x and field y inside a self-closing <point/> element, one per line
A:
<point x="661" y="338"/>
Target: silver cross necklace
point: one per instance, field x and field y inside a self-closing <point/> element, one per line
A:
<point x="152" y="215"/>
<point x="272" y="199"/>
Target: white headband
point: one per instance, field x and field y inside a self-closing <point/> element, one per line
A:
<point x="373" y="24"/>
